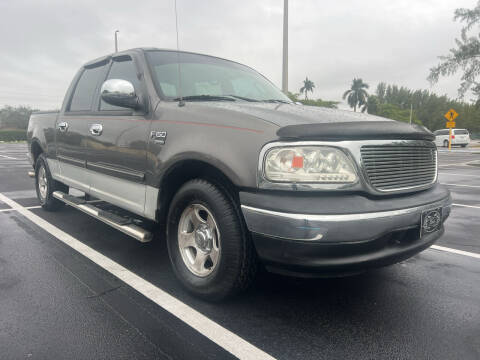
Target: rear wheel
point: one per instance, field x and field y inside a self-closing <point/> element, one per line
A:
<point x="210" y="250"/>
<point x="445" y="143"/>
<point x="464" y="145"/>
<point x="46" y="185"/>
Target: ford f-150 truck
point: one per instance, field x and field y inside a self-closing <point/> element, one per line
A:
<point x="234" y="173"/>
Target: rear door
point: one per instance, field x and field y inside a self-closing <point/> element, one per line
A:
<point x="71" y="129"/>
<point x="461" y="136"/>
<point x="116" y="155"/>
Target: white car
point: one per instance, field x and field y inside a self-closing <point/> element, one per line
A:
<point x="460" y="137"/>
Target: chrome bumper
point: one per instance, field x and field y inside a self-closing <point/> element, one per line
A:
<point x="344" y="228"/>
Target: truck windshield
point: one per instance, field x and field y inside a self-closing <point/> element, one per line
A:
<point x="206" y="78"/>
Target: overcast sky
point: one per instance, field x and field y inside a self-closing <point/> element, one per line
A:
<point x="43" y="43"/>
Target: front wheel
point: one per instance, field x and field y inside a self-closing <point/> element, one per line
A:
<point x="46" y="185"/>
<point x="445" y="143"/>
<point x="210" y="250"/>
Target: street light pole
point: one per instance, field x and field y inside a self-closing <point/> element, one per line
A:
<point x="285" y="48"/>
<point x="116" y="41"/>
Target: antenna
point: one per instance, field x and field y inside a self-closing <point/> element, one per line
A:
<point x="181" y="102"/>
<point x="116" y="40"/>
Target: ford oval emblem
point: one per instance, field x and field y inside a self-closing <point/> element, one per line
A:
<point x="431" y="221"/>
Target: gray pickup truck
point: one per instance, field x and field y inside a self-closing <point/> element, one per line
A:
<point x="234" y="173"/>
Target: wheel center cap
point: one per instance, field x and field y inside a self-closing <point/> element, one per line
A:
<point x="204" y="238"/>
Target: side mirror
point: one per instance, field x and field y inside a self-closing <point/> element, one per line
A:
<point x="119" y="93"/>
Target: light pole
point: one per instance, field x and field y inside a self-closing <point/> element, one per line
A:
<point x="116" y="41"/>
<point x="285" y="48"/>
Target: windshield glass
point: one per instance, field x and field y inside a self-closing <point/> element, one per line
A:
<point x="206" y="75"/>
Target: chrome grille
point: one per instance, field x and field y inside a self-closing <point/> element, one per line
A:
<point x="399" y="167"/>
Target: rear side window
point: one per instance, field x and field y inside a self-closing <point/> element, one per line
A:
<point x="461" y="132"/>
<point x="85" y="90"/>
<point x="441" y="132"/>
<point x="124" y="70"/>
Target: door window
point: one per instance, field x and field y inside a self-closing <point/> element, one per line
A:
<point x="85" y="89"/>
<point x="125" y="70"/>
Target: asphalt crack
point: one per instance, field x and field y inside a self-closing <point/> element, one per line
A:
<point x="100" y="294"/>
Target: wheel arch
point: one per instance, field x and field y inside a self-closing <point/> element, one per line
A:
<point x="35" y="150"/>
<point x="187" y="169"/>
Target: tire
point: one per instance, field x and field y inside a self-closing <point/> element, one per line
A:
<point x="464" y="145"/>
<point x="236" y="263"/>
<point x="45" y="185"/>
<point x="445" y="143"/>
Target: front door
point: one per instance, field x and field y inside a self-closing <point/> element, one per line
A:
<point x="116" y="146"/>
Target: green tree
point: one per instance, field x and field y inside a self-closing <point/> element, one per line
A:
<point x="308" y="86"/>
<point x="428" y="108"/>
<point x="311" y="102"/>
<point x="381" y="91"/>
<point x="15" y="117"/>
<point x="465" y="56"/>
<point x="356" y="95"/>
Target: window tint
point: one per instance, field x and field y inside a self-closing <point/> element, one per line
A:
<point x="441" y="132"/>
<point x="85" y="89"/>
<point x="461" y="132"/>
<point x="124" y="70"/>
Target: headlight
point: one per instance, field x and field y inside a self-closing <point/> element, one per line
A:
<point x="308" y="164"/>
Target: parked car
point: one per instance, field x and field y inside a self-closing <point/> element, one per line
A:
<point x="460" y="137"/>
<point x="234" y="173"/>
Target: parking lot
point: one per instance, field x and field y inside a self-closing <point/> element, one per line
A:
<point x="72" y="287"/>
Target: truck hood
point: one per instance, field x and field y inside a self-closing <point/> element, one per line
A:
<point x="318" y="123"/>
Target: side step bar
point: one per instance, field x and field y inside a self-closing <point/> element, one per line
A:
<point x="123" y="224"/>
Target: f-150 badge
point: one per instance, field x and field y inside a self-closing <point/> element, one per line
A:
<point x="159" y="137"/>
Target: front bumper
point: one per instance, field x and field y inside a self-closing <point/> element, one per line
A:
<point x="343" y="233"/>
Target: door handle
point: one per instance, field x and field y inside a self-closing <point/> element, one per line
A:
<point x="63" y="126"/>
<point x="96" y="129"/>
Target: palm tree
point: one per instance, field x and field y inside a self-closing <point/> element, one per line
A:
<point x="308" y="85"/>
<point x="356" y="95"/>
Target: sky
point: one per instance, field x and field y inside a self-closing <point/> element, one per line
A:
<point x="44" y="43"/>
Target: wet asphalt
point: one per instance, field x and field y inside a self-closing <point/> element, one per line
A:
<point x="57" y="304"/>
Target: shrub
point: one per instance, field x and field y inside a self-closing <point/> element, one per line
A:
<point x="13" y="135"/>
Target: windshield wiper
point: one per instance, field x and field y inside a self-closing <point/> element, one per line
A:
<point x="243" y="98"/>
<point x="206" y="98"/>
<point x="276" y="101"/>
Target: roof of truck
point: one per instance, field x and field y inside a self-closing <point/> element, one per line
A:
<point x="144" y="49"/>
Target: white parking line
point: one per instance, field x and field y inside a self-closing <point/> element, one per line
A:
<point x="28" y="208"/>
<point x="469" y="206"/>
<point x="454" y="174"/>
<point x="455" y="251"/>
<point x="205" y="326"/>
<point x="448" y="152"/>
<point x="9" y="157"/>
<point x="461" y="164"/>
<point x="463" y="185"/>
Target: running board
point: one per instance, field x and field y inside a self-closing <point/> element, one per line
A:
<point x="123" y="224"/>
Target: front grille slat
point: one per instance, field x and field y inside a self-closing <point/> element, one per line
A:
<point x="395" y="167"/>
<point x="397" y="162"/>
<point x="401" y="175"/>
<point x="402" y="181"/>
